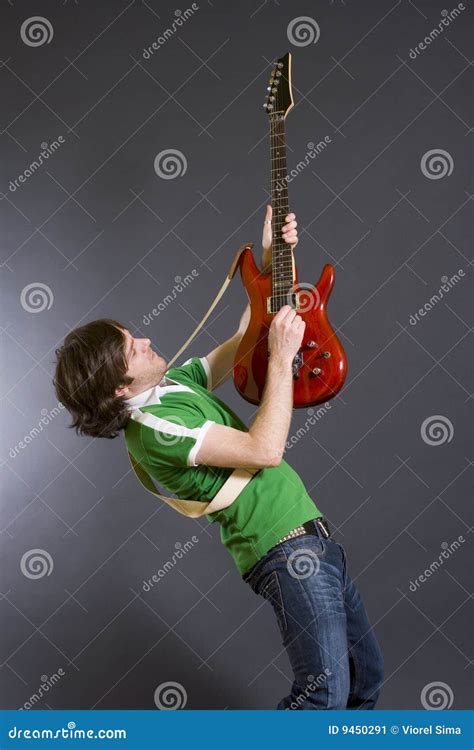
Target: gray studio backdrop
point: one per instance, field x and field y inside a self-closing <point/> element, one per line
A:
<point x="157" y="169"/>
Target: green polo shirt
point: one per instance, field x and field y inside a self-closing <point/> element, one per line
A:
<point x="167" y="425"/>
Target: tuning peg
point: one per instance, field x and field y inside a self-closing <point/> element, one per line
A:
<point x="280" y="65"/>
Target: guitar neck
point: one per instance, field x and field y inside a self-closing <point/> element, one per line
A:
<point x="282" y="256"/>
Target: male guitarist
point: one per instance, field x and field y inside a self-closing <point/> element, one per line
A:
<point x="279" y="541"/>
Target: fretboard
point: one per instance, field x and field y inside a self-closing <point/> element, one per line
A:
<point x="282" y="258"/>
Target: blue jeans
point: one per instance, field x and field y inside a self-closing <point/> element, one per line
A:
<point x="335" y="657"/>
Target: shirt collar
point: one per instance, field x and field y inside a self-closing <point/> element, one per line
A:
<point x="150" y="396"/>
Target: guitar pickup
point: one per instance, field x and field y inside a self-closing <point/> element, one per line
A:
<point x="277" y="301"/>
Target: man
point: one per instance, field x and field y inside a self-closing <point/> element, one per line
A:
<point x="190" y="442"/>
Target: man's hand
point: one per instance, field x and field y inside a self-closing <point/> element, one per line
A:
<point x="288" y="232"/>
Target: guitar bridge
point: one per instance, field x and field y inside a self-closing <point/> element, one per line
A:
<point x="277" y="301"/>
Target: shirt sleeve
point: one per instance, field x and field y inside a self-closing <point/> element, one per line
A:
<point x="195" y="370"/>
<point x="172" y="439"/>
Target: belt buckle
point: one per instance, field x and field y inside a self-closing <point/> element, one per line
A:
<point x="323" y="527"/>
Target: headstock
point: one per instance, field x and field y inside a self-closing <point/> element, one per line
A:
<point x="280" y="98"/>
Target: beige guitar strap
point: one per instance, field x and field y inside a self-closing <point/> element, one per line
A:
<point x="239" y="478"/>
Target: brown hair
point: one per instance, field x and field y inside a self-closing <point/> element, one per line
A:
<point x="91" y="364"/>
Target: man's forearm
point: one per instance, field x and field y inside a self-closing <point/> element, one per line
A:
<point x="272" y="422"/>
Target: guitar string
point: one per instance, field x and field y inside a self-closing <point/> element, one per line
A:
<point x="280" y="204"/>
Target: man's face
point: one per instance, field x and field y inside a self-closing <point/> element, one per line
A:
<point x="145" y="366"/>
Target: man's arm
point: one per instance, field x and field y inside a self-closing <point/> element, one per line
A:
<point x="263" y="445"/>
<point x="221" y="359"/>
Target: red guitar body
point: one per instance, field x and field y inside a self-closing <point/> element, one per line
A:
<point x="322" y="367"/>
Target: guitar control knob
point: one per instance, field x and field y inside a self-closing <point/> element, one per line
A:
<point x="311" y="344"/>
<point x="316" y="371"/>
<point x="326" y="355"/>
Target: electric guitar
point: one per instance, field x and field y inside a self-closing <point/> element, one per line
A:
<point x="320" y="366"/>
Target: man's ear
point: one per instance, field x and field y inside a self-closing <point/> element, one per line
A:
<point x="121" y="391"/>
